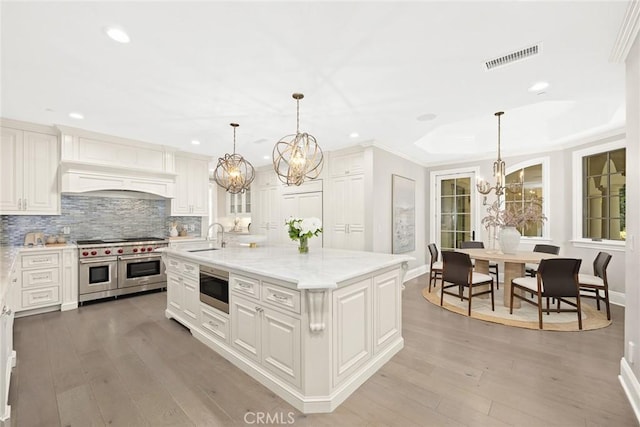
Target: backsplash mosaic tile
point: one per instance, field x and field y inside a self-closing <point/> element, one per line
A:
<point x="91" y="217"/>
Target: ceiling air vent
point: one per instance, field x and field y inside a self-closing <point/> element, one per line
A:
<point x="512" y="57"/>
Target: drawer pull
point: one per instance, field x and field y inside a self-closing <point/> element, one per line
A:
<point x="244" y="285"/>
<point x="280" y="297"/>
<point x="41" y="296"/>
<point x="41" y="259"/>
<point x="40" y="277"/>
<point x="215" y="325"/>
<point x="189" y="267"/>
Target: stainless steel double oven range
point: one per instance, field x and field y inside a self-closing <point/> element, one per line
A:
<point x="111" y="267"/>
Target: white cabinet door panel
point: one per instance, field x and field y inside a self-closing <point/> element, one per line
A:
<point x="11" y="170"/>
<point x="245" y="327"/>
<point x="387" y="315"/>
<point x="352" y="319"/>
<point x="281" y="345"/>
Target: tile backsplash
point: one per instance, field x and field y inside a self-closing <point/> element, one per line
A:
<point x="91" y="217"/>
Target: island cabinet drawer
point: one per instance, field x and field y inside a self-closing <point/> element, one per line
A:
<point x="214" y="324"/>
<point x="245" y="286"/>
<point x="289" y="299"/>
<point x="41" y="277"/>
<point x="40" y="260"/>
<point x="40" y="297"/>
<point x="190" y="269"/>
<point x="174" y="265"/>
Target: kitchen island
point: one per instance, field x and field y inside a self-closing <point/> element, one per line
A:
<point x="310" y="327"/>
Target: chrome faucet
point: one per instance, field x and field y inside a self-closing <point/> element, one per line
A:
<point x="222" y="242"/>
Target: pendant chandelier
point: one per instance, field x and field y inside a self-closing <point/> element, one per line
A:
<point x="297" y="157"/>
<point x="499" y="169"/>
<point x="233" y="172"/>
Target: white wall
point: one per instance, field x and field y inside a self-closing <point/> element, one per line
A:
<point x="632" y="312"/>
<point x="384" y="165"/>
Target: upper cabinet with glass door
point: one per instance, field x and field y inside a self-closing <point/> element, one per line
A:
<point x="239" y="204"/>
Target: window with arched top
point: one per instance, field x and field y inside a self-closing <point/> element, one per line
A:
<point x="600" y="195"/>
<point x="604" y="195"/>
<point x="530" y="183"/>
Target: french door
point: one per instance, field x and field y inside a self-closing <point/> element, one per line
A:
<point x="455" y="213"/>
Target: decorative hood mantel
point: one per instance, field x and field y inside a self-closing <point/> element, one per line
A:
<point x="94" y="162"/>
<point x="81" y="177"/>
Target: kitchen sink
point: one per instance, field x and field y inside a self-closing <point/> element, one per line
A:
<point x="203" y="250"/>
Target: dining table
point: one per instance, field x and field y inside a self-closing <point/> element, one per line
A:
<point x="514" y="266"/>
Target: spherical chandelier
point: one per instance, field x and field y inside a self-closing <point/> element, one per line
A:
<point x="233" y="172"/>
<point x="297" y="157"/>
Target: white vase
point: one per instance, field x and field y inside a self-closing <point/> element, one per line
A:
<point x="174" y="231"/>
<point x="509" y="240"/>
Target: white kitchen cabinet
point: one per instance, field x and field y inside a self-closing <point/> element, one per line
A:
<point x="387" y="309"/>
<point x="183" y="291"/>
<point x="267" y="336"/>
<point x="29" y="173"/>
<point x="346" y="164"/>
<point x="352" y="340"/>
<point x="192" y="186"/>
<point x="269" y="219"/>
<point x="347" y="214"/>
<point x="39" y="280"/>
<point x="7" y="354"/>
<point x="214" y="323"/>
<point x="304" y="205"/>
<point x="239" y="204"/>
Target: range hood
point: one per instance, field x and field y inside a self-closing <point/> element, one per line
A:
<point x="82" y="177"/>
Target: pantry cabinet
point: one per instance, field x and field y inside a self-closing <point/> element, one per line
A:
<point x="267" y="216"/>
<point x="29" y="173"/>
<point x="192" y="185"/>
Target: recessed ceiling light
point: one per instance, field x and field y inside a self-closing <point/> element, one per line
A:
<point x="539" y="87"/>
<point x="117" y="34"/>
<point x="76" y="115"/>
<point x="266" y="157"/>
<point x="354" y="135"/>
<point x="426" y="117"/>
<point x="195" y="142"/>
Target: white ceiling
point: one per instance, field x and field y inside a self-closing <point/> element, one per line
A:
<point x="368" y="67"/>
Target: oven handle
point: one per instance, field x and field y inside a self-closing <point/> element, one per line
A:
<point x="97" y="260"/>
<point x="139" y="258"/>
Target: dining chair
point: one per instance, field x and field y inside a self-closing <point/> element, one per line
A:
<point x="556" y="278"/>
<point x="493" y="266"/>
<point x="458" y="272"/>
<point x="546" y="249"/>
<point x="596" y="282"/>
<point x="435" y="268"/>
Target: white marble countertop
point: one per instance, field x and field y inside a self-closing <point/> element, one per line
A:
<point x="321" y="268"/>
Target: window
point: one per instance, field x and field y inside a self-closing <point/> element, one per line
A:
<point x="603" y="195"/>
<point x="599" y="195"/>
<point x="530" y="177"/>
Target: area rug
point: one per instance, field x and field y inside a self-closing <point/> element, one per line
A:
<point x="524" y="317"/>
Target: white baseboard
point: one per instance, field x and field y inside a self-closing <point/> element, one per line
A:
<point x="415" y="272"/>
<point x="617" y="298"/>
<point x="69" y="306"/>
<point x="631" y="386"/>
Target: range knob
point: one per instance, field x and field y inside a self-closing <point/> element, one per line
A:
<point x="143" y="249"/>
<point x="94" y="253"/>
<point x="120" y="251"/>
<point x="149" y="249"/>
<point x="107" y="252"/>
<point x="85" y="253"/>
<point x="135" y="249"/>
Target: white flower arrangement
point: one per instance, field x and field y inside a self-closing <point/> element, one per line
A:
<point x="303" y="228"/>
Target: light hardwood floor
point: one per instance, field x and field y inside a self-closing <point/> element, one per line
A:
<point x="122" y="363"/>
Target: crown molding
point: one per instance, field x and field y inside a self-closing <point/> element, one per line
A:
<point x="628" y="32"/>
